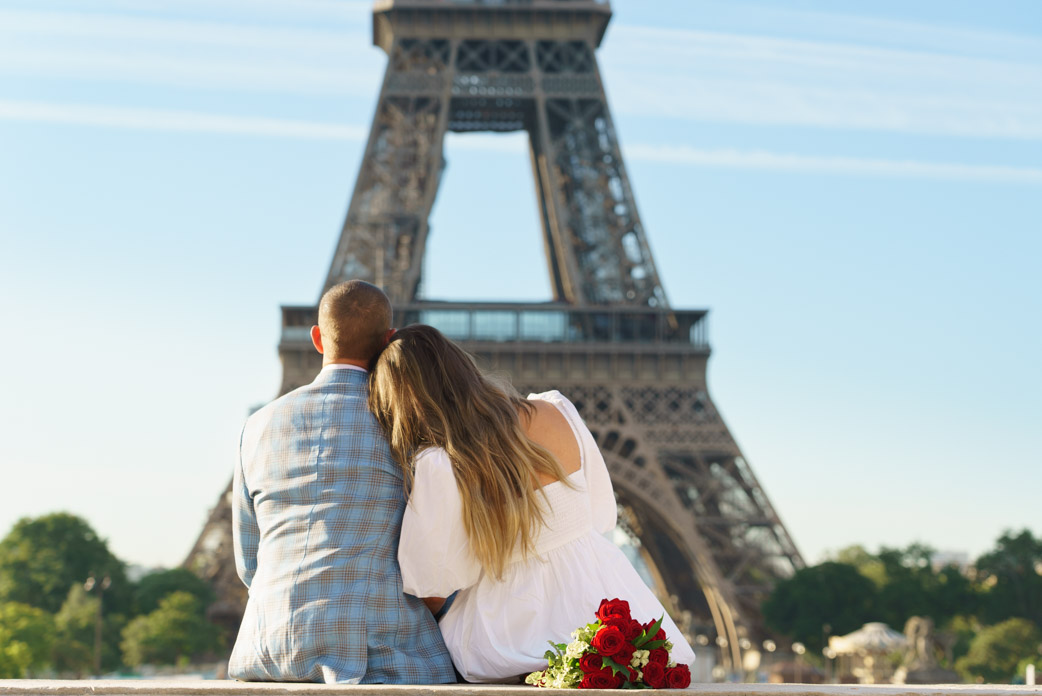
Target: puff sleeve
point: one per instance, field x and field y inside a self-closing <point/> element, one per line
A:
<point x="434" y="553"/>
<point x="598" y="482"/>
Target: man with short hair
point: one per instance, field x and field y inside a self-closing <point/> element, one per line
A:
<point x="318" y="503"/>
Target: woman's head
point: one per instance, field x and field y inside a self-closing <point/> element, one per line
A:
<point x="427" y="392"/>
<point x="421" y="383"/>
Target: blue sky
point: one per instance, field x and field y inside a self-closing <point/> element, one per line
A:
<point x="854" y="190"/>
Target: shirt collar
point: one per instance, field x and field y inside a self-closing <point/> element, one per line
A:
<point x="341" y="366"/>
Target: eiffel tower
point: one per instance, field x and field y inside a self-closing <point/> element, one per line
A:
<point x="634" y="366"/>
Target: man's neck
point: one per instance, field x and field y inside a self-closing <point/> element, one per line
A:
<point x="355" y="363"/>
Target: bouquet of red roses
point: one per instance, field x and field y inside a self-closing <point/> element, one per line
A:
<point x="614" y="652"/>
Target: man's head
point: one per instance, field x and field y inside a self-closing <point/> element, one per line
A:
<point x="354" y="322"/>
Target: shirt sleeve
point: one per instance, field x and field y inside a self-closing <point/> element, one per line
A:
<point x="245" y="532"/>
<point x="598" y="482"/>
<point x="434" y="553"/>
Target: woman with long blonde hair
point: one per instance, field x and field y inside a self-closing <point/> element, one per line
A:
<point x="509" y="501"/>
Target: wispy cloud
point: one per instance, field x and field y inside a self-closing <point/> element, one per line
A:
<point x="188" y="53"/>
<point x="684" y="74"/>
<point x="294" y="11"/>
<point x="136" y="29"/>
<point x="865" y="30"/>
<point x="856" y="166"/>
<point x="174" y="121"/>
<point x="241" y="73"/>
<point x="744" y="78"/>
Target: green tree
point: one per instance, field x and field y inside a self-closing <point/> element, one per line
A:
<point x="868" y="564"/>
<point x="909" y="586"/>
<point x="154" y="587"/>
<point x="1012" y="574"/>
<point x="997" y="651"/>
<point x="912" y="587"/>
<point x="75" y="625"/>
<point x="171" y="634"/>
<point x="26" y="639"/>
<point x="829" y="593"/>
<point x="74" y="643"/>
<point x="41" y="558"/>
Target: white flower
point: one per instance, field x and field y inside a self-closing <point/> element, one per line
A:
<point x="536" y="678"/>
<point x="576" y="649"/>
<point x="561" y="681"/>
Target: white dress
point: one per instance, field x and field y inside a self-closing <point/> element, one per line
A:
<point x="497" y="630"/>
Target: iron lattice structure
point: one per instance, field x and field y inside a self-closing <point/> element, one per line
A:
<point x="634" y="367"/>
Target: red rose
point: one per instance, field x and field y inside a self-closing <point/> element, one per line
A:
<point x="624" y="655"/>
<point x="655" y="675"/>
<point x="630" y="629"/>
<point x="659" y="655"/>
<point x="633" y="674"/>
<point x="608" y="641"/>
<point x="678" y="678"/>
<point x="590" y="662"/>
<point x="602" y="679"/>
<point x="661" y="635"/>
<point x="613" y="607"/>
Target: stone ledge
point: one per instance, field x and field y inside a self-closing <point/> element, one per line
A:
<point x="185" y="687"/>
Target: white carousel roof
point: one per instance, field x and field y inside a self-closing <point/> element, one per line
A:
<point x="875" y="637"/>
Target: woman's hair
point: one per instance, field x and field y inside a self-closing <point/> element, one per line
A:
<point x="427" y="392"/>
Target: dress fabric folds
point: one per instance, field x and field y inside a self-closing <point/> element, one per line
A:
<point x="496" y="630"/>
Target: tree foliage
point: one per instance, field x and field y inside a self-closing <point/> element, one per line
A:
<point x="74" y="623"/>
<point x="154" y="587"/>
<point x="41" y="558"/>
<point x="173" y="633"/>
<point x="913" y="588"/>
<point x="1013" y="574"/>
<point x="833" y="594"/>
<point x="997" y="651"/>
<point x="26" y="640"/>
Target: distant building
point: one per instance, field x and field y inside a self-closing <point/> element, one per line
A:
<point x="942" y="559"/>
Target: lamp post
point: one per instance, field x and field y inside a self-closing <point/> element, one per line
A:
<point x="830" y="655"/>
<point x="769" y="646"/>
<point x="102" y="585"/>
<point x="799" y="649"/>
<point x="721" y="642"/>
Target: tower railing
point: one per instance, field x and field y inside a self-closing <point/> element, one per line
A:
<point x="501" y="322"/>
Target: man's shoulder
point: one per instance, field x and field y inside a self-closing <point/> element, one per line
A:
<point x="319" y="403"/>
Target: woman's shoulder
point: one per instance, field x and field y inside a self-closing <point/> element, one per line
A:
<point x="552" y="396"/>
<point x="432" y="458"/>
<point x="558" y="400"/>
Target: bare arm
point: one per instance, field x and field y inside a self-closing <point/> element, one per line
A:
<point x="434" y="603"/>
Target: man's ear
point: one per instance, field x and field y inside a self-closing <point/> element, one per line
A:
<point x="316" y="338"/>
<point x="387" y="336"/>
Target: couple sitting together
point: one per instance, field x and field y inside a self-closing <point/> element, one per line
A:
<point x="403" y="476"/>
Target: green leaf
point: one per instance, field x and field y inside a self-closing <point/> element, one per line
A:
<point x="615" y="666"/>
<point x="549" y="655"/>
<point x="647" y="634"/>
<point x="651" y="645"/>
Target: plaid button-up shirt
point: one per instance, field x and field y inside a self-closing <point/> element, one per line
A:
<point x="318" y="504"/>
